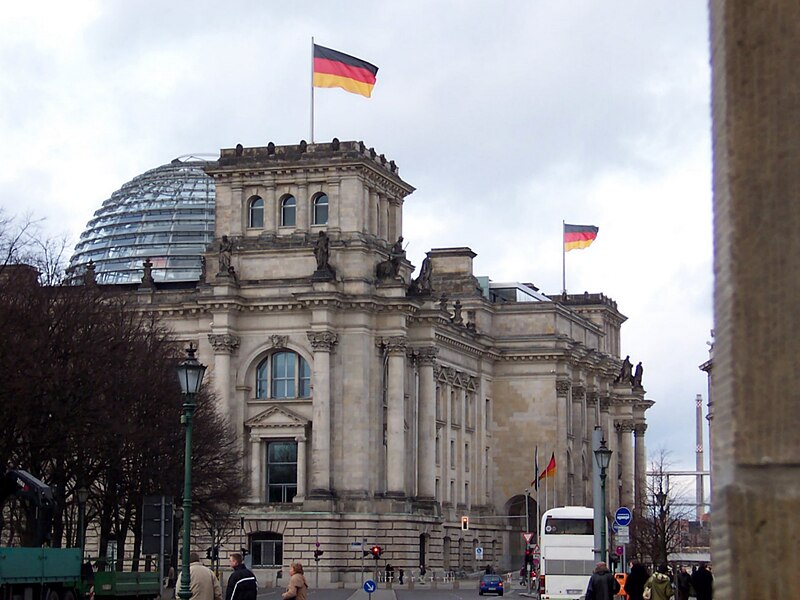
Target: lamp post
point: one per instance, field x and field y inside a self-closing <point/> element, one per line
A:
<point x="663" y="512"/>
<point x="603" y="458"/>
<point x="83" y="496"/>
<point x="190" y="376"/>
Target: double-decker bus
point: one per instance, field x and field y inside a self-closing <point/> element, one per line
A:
<point x="567" y="552"/>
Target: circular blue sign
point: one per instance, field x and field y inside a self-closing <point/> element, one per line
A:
<point x="370" y="586"/>
<point x="623" y="516"/>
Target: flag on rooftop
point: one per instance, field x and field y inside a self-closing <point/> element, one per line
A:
<point x="579" y="236"/>
<point x="337" y="69"/>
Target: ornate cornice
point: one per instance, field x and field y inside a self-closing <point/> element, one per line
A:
<point x="322" y="341"/>
<point x="562" y="387"/>
<point x="224" y="343"/>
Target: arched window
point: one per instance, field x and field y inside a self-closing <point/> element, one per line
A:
<point x="321" y="210"/>
<point x="283" y="374"/>
<point x="256" y="212"/>
<point x="266" y="549"/>
<point x="288" y="211"/>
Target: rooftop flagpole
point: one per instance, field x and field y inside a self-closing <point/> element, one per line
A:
<point x="312" y="89"/>
<point x="563" y="259"/>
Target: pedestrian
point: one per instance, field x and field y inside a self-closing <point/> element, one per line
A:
<point x="203" y="584"/>
<point x="659" y="586"/>
<point x="242" y="584"/>
<point x="683" y="584"/>
<point x="489" y="570"/>
<point x="634" y="583"/>
<point x="389" y="572"/>
<point x="400" y="576"/>
<point x="422" y="573"/>
<point x="297" y="583"/>
<point x="703" y="583"/>
<point x="602" y="584"/>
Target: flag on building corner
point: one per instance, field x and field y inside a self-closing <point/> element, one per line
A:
<point x="550" y="469"/>
<point x="579" y="236"/>
<point x="337" y="69"/>
<point x="535" y="482"/>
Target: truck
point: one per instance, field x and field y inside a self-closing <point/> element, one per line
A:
<point x="38" y="572"/>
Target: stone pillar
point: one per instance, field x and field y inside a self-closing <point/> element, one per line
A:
<point x="225" y="344"/>
<point x="303" y="208"/>
<point x="395" y="425"/>
<point x="639" y="468"/>
<point x="755" y="53"/>
<point x="256" y="468"/>
<point x="238" y="219"/>
<point x="301" y="468"/>
<point x="322" y="342"/>
<point x="624" y="428"/>
<point x="374" y="209"/>
<point x="271" y="210"/>
<point x="426" y="426"/>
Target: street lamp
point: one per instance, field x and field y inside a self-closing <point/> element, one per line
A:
<point x="603" y="458"/>
<point x="190" y="376"/>
<point x="83" y="496"/>
<point x="663" y="515"/>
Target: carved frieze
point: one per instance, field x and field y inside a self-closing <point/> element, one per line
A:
<point x="224" y="343"/>
<point x="322" y="340"/>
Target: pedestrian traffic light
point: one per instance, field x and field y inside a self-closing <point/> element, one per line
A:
<point x="208" y="551"/>
<point x="464" y="523"/>
<point x="317" y="554"/>
<point x="376" y="552"/>
<point x="528" y="556"/>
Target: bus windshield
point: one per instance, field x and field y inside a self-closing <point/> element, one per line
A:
<point x="561" y="526"/>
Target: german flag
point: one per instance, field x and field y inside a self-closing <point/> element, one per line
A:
<point x="579" y="236"/>
<point x="336" y="69"/>
<point x="550" y="469"/>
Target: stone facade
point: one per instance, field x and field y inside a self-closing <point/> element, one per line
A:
<point x="408" y="406"/>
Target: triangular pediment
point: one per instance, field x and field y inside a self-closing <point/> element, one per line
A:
<point x="276" y="416"/>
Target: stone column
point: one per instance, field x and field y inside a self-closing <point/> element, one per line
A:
<point x="225" y="344"/>
<point x="271" y="210"/>
<point x="303" y="208"/>
<point x="256" y="468"/>
<point x="374" y="209"/>
<point x="639" y="467"/>
<point x="426" y="426"/>
<point x="626" y="460"/>
<point x="395" y="425"/>
<point x="322" y="342"/>
<point x="301" y="468"/>
<point x="238" y="219"/>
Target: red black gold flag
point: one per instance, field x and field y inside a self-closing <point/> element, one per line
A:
<point x="336" y="69"/>
<point x="550" y="469"/>
<point x="579" y="236"/>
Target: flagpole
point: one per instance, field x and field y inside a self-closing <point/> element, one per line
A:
<point x="563" y="260"/>
<point x="312" y="89"/>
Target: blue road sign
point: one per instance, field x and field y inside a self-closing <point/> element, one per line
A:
<point x="615" y="527"/>
<point x="370" y="586"/>
<point x="623" y="516"/>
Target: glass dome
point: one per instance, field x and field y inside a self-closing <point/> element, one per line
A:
<point x="165" y="214"/>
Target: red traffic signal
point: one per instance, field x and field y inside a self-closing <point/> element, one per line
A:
<point x="376" y="552"/>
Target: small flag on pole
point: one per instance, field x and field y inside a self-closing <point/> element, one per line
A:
<point x="535" y="482"/>
<point x="336" y="69"/>
<point x="579" y="236"/>
<point x="550" y="470"/>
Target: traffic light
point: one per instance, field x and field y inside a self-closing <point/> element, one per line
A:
<point x="317" y="554"/>
<point x="528" y="556"/>
<point x="464" y="523"/>
<point x="209" y="550"/>
<point x="376" y="552"/>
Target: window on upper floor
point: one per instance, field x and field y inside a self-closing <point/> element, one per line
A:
<point x="321" y="209"/>
<point x="283" y="374"/>
<point x="255" y="217"/>
<point x="288" y="211"/>
<point x="281" y="471"/>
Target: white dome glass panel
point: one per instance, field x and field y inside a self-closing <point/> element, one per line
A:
<point x="165" y="214"/>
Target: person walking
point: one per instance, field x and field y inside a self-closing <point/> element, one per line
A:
<point x="602" y="584"/>
<point x="683" y="584"/>
<point x="634" y="583"/>
<point x="703" y="583"/>
<point x="203" y="584"/>
<point x="659" y="586"/>
<point x="242" y="584"/>
<point x="298" y="586"/>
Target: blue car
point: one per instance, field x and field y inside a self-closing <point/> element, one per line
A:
<point x="490" y="584"/>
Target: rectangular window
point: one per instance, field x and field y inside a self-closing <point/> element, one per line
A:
<point x="438" y="449"/>
<point x="466" y="457"/>
<point x="452" y="454"/>
<point x="283" y="366"/>
<point x="281" y="471"/>
<point x="267" y="553"/>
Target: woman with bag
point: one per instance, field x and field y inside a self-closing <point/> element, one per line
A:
<point x="659" y="586"/>
<point x="634" y="583"/>
<point x="297" y="583"/>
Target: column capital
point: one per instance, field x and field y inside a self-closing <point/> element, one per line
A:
<point x="562" y="387"/>
<point x="394" y="345"/>
<point x="624" y="426"/>
<point x="592" y="397"/>
<point x="322" y="341"/>
<point x="639" y="429"/>
<point x="578" y="392"/>
<point x="224" y="343"/>
<point x="605" y="402"/>
<point x="425" y="355"/>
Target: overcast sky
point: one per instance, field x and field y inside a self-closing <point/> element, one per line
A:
<point x="508" y="117"/>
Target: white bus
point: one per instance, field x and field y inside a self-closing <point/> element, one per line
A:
<point x="567" y="552"/>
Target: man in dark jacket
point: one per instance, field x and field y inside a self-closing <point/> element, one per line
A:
<point x="683" y="584"/>
<point x="703" y="583"/>
<point x="602" y="585"/>
<point x="242" y="584"/>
